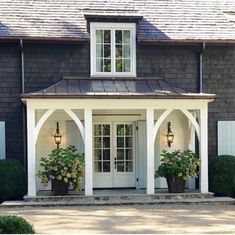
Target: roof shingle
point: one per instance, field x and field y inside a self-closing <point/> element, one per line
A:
<point x="162" y="19"/>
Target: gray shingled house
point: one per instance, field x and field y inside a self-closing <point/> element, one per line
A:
<point x="113" y="74"/>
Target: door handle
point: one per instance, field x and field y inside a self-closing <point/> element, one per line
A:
<point x="115" y="163"/>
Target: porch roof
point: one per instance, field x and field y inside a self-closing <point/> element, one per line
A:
<point x="119" y="88"/>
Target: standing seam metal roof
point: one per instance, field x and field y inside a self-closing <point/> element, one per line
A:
<point x="147" y="88"/>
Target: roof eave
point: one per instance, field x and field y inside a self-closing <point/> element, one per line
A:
<point x="119" y="17"/>
<point x="139" y="40"/>
<point x="123" y="96"/>
<point x="45" y="39"/>
<point x="185" y="41"/>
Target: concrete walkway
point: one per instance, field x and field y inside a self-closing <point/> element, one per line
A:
<point x="211" y="219"/>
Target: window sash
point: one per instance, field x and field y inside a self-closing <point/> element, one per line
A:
<point x="122" y="45"/>
<point x="103" y="50"/>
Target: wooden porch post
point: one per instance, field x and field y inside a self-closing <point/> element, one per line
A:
<point x="31" y="151"/>
<point x="203" y="149"/>
<point x="88" y="152"/>
<point x="150" y="150"/>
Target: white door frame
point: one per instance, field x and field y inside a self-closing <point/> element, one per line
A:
<point x="100" y="177"/>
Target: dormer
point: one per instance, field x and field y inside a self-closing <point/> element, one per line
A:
<point x="112" y="45"/>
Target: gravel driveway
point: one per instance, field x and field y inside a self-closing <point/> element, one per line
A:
<point x="130" y="219"/>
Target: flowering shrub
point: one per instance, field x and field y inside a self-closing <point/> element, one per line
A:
<point x="63" y="164"/>
<point x="178" y="164"/>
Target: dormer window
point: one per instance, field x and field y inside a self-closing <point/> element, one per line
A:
<point x="113" y="49"/>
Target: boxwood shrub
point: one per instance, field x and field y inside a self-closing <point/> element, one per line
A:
<point x="222" y="175"/>
<point x="12" y="180"/>
<point x="15" y="225"/>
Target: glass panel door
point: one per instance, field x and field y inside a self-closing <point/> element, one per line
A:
<point x="102" y="148"/>
<point x="113" y="154"/>
<point x="124" y="149"/>
<point x="124" y="162"/>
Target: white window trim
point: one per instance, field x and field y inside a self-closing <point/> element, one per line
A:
<point x="2" y="140"/>
<point x="112" y="27"/>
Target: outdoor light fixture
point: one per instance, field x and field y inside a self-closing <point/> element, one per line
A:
<point x="170" y="134"/>
<point x="57" y="136"/>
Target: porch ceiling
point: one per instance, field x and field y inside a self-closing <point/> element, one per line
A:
<point x="145" y="88"/>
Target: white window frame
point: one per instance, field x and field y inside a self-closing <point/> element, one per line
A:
<point x="112" y="27"/>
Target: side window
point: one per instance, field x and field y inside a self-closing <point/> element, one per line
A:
<point x="113" y="49"/>
<point x="2" y="141"/>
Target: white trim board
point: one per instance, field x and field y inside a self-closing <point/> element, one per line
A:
<point x="2" y="141"/>
<point x="226" y="132"/>
<point x="113" y="104"/>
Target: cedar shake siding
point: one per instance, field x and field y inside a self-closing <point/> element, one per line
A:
<point x="219" y="78"/>
<point x="176" y="64"/>
<point x="47" y="63"/>
<point x="179" y="66"/>
<point x="10" y="103"/>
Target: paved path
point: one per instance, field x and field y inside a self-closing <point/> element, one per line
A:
<point x="130" y="219"/>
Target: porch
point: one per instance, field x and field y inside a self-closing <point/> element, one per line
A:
<point x="144" y="114"/>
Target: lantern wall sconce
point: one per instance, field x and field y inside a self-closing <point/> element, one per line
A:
<point x="169" y="135"/>
<point x="57" y="136"/>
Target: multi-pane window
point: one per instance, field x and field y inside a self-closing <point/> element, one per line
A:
<point x="102" y="148"/>
<point x="113" y="49"/>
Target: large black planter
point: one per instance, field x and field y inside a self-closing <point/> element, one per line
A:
<point x="175" y="185"/>
<point x="59" y="187"/>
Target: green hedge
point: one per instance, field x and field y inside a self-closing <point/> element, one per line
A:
<point x="15" y="225"/>
<point x="12" y="180"/>
<point x="222" y="175"/>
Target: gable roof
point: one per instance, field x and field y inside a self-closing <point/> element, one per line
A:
<point x="162" y="19"/>
<point x="121" y="88"/>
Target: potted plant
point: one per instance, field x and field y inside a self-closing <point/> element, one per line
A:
<point x="176" y="167"/>
<point x="64" y="167"/>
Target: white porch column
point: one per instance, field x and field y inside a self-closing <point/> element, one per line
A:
<point x="31" y="151"/>
<point x="150" y="150"/>
<point x="203" y="149"/>
<point x="88" y="152"/>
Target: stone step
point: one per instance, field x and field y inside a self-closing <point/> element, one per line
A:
<point x="119" y="197"/>
<point x="121" y="201"/>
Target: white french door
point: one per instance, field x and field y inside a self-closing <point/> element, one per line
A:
<point x="113" y="154"/>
